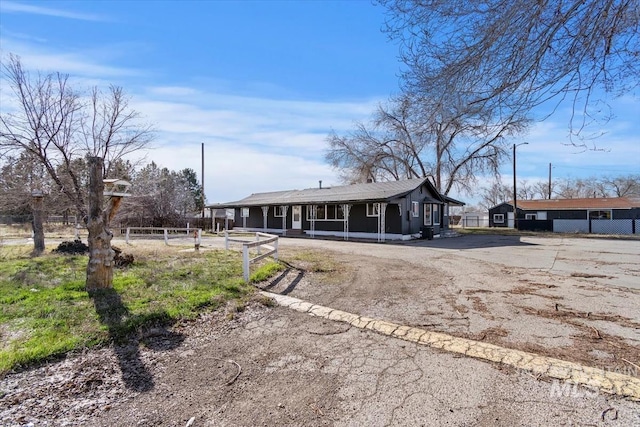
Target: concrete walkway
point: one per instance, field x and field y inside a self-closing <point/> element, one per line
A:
<point x="605" y="381"/>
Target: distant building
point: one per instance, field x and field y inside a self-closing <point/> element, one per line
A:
<point x="567" y="215"/>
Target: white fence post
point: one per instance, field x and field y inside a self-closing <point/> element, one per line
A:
<point x="270" y="242"/>
<point x="275" y="245"/>
<point x="245" y="262"/>
<point x="166" y="237"/>
<point x="126" y="239"/>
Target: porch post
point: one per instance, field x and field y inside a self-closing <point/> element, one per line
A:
<point x="345" y="210"/>
<point x="312" y="220"/>
<point x="284" y="220"/>
<point x="445" y="216"/>
<point x="382" y="213"/>
<point x="265" y="211"/>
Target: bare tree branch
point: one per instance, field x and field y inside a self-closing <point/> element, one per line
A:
<point x="520" y="54"/>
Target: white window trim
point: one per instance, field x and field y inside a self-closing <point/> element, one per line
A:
<point x="495" y="219"/>
<point x="244" y="212"/>
<point x="427" y="211"/>
<point x="375" y="207"/>
<point x="326" y="210"/>
<point x="435" y="218"/>
<point x="278" y="211"/>
<point x="531" y="216"/>
<point x="415" y="209"/>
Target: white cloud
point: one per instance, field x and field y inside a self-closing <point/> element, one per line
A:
<point x="232" y="173"/>
<point x="85" y="66"/>
<point x="13" y="7"/>
<point x="251" y="144"/>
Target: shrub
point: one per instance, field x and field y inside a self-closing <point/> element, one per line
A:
<point x="72" y="248"/>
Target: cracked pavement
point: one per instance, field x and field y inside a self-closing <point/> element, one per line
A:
<point x="605" y="381"/>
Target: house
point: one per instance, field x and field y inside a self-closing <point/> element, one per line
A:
<point x="376" y="210"/>
<point x="613" y="215"/>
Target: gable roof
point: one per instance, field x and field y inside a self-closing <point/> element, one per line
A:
<point x="373" y="191"/>
<point x="569" y="204"/>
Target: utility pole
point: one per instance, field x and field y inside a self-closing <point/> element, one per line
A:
<point x="515" y="194"/>
<point x="549" y="181"/>
<point x="202" y="178"/>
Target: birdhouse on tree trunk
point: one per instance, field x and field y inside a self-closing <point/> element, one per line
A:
<point x="116" y="187"/>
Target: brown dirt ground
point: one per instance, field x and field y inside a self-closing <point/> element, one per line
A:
<point x="526" y="310"/>
<point x="223" y="367"/>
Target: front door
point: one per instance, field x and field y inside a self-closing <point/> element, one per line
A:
<point x="296" y="219"/>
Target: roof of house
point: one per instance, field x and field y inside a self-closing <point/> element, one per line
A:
<point x="373" y="191"/>
<point x="569" y="204"/>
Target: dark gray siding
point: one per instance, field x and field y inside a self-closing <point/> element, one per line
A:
<point x="414" y="224"/>
<point x="626" y="213"/>
<point x="503" y="209"/>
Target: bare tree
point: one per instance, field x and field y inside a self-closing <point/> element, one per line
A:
<point x="495" y="194"/>
<point x="520" y="53"/>
<point x="526" y="190"/>
<point x="56" y="126"/>
<point x="541" y="190"/>
<point x="622" y="186"/>
<point x="417" y="136"/>
<point x="571" y="188"/>
<point x="576" y="188"/>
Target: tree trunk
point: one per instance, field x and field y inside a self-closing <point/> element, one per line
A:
<point x="38" y="228"/>
<point x="100" y="267"/>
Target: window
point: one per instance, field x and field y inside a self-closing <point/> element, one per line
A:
<point x="309" y="211"/>
<point x="498" y="218"/>
<point x="331" y="212"/>
<point x="415" y="209"/>
<point x="327" y="213"/>
<point x="436" y="214"/>
<point x="530" y="216"/>
<point x="244" y="213"/>
<point x="427" y="214"/>
<point x="600" y="214"/>
<point x="373" y="209"/>
<point x="279" y="212"/>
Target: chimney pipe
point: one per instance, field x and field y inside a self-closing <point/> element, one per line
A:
<point x="320" y="184"/>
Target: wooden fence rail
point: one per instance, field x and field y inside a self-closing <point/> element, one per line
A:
<point x="165" y="232"/>
<point x="262" y="241"/>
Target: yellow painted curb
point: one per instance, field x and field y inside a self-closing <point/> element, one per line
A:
<point x="608" y="382"/>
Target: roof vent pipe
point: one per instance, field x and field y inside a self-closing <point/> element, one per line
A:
<point x="320" y="184"/>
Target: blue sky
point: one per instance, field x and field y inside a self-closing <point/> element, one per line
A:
<point x="262" y="83"/>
